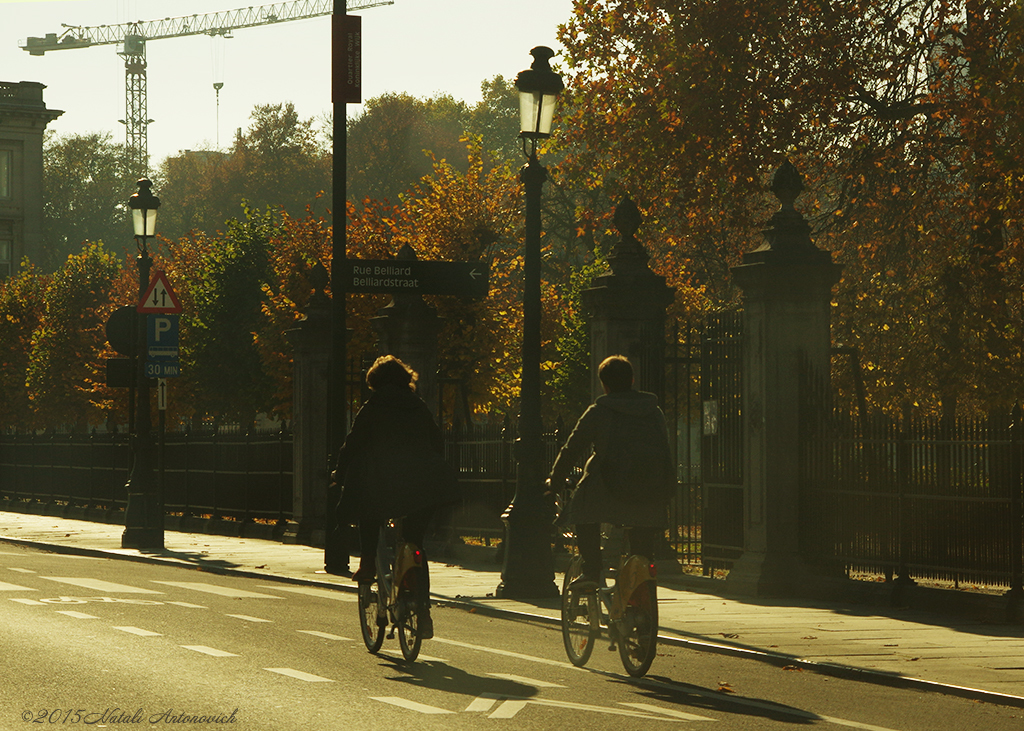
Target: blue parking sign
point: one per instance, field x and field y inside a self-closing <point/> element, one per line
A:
<point x="162" y="337"/>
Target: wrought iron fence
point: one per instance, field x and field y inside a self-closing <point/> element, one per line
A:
<point x="915" y="497"/>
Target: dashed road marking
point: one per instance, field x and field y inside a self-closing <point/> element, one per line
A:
<point x="526" y="681"/>
<point x="187" y="605"/>
<point x="209" y="651"/>
<point x="4" y="586"/>
<point x="323" y="635"/>
<point x="506" y="653"/>
<point x="138" y="631"/>
<point x="247" y="618"/>
<point x="338" y="596"/>
<point x="20" y="571"/>
<point x="99" y="585"/>
<point x="651" y="708"/>
<point x="218" y="590"/>
<point x="31" y="602"/>
<point x="410" y="705"/>
<point x="299" y="675"/>
<point x="76" y="615"/>
<point x="396" y="653"/>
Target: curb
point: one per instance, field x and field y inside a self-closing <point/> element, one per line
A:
<point x="777" y="659"/>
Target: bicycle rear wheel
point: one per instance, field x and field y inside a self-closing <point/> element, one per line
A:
<point x="369" y="606"/>
<point x="580" y="619"/>
<point x="407" y="614"/>
<point x="639" y="641"/>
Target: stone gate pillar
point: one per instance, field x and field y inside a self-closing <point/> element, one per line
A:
<point x="310" y="472"/>
<point x="627" y="309"/>
<point x="787" y="292"/>
<point x="407" y="328"/>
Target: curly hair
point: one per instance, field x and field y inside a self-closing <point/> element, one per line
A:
<point x="388" y="370"/>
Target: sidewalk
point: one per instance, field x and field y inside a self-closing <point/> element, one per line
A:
<point x="911" y="648"/>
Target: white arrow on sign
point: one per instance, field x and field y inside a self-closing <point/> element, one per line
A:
<point x="474" y="274"/>
<point x="161" y="394"/>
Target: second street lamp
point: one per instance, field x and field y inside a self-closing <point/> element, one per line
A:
<point x="528" y="570"/>
<point x="143" y="517"/>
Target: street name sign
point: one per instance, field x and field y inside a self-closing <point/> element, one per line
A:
<point x="415" y="276"/>
<point x="159" y="297"/>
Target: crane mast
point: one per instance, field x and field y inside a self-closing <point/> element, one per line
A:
<point x="132" y="38"/>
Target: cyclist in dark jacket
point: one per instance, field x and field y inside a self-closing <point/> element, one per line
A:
<point x="627" y="479"/>
<point x="392" y="466"/>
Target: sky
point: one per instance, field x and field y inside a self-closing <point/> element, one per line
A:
<point x="420" y="47"/>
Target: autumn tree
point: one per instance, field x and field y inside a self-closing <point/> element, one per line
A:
<point x="896" y="112"/>
<point x="21" y="310"/>
<point x="65" y="379"/>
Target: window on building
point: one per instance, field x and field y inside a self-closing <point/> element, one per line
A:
<point x="5" y="173"/>
<point x="6" y="254"/>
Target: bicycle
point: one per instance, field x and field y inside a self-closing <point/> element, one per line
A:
<point x="629" y="609"/>
<point x="394" y="596"/>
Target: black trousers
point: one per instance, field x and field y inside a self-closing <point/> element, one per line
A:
<point x="414" y="530"/>
<point x="588" y="540"/>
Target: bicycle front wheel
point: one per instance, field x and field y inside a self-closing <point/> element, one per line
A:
<point x="580" y="619"/>
<point x="407" y="615"/>
<point x="369" y="607"/>
<point x="639" y="629"/>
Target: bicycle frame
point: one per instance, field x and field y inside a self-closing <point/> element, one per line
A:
<point x="633" y="572"/>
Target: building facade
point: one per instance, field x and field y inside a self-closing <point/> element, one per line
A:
<point x="23" y="118"/>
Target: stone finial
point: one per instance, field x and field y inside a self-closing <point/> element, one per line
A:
<point x="318" y="277"/>
<point x="627" y="255"/>
<point x="406" y="252"/>
<point x="789" y="232"/>
<point x="787" y="185"/>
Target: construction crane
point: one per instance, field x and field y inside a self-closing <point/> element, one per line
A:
<point x="132" y="38"/>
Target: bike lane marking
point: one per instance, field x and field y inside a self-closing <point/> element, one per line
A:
<point x="299" y="675"/>
<point x="526" y="681"/>
<point x="410" y="705"/>
<point x="218" y="590"/>
<point x="651" y="708"/>
<point x="338" y="596"/>
<point x="139" y="631"/>
<point x="247" y="618"/>
<point x="212" y="651"/>
<point x="30" y="602"/>
<point x="507" y="653"/>
<point x="100" y="585"/>
<point x="187" y="605"/>
<point x="509" y="707"/>
<point x="76" y="615"/>
<point x="398" y="654"/>
<point x="4" y="586"/>
<point x="324" y="635"/>
<point x="21" y="571"/>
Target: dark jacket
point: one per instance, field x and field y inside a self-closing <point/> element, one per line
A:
<point x="392" y="462"/>
<point x="626" y="433"/>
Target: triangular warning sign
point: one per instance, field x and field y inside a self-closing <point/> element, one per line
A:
<point x="159" y="298"/>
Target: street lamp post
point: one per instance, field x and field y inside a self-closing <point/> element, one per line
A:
<point x="143" y="517"/>
<point x="528" y="570"/>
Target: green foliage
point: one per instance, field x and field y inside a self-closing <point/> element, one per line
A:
<point x="279" y="162"/>
<point x="226" y="289"/>
<point x="85" y="190"/>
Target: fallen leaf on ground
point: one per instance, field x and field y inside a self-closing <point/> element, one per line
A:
<point x="725" y="688"/>
<point x="793" y="667"/>
<point x="729" y="635"/>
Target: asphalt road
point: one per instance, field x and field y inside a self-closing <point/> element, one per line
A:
<point x="114" y="644"/>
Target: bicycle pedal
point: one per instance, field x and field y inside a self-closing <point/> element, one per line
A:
<point x="612" y="647"/>
<point x="391" y="633"/>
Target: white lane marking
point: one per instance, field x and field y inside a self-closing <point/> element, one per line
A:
<point x="810" y="715"/>
<point x="596" y="709"/>
<point x="77" y="615"/>
<point x="854" y="724"/>
<point x="526" y="681"/>
<point x="20" y="571"/>
<point x="13" y="587"/>
<point x="299" y="675"/>
<point x="650" y="708"/>
<point x="247" y="618"/>
<point x="138" y="631"/>
<point x="31" y="602"/>
<point x="209" y="651"/>
<point x="99" y="585"/>
<point x="187" y="605"/>
<point x="324" y="635"/>
<point x="338" y="596"/>
<point x="411" y="705"/>
<point x="508" y="709"/>
<point x="506" y="653"/>
<point x="397" y="653"/>
<point x="218" y="590"/>
<point x="483" y="703"/>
